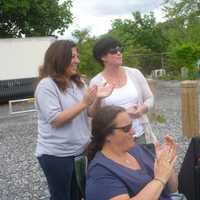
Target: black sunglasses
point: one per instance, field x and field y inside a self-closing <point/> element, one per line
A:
<point x="116" y="50"/>
<point x="126" y="128"/>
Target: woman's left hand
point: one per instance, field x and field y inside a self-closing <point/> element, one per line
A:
<point x="136" y="111"/>
<point x="165" y="160"/>
<point x="169" y="146"/>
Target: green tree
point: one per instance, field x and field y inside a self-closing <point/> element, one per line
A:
<point x="34" y="17"/>
<point x="182" y="8"/>
<point x="141" y="30"/>
<point x="81" y="35"/>
<point x="181" y="29"/>
<point x="185" y="14"/>
<point x="184" y="55"/>
<point x="142" y="38"/>
<point x="174" y="31"/>
<point x="85" y="43"/>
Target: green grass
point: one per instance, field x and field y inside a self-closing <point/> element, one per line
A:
<point x="157" y="118"/>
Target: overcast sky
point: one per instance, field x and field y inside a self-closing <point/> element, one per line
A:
<point x="98" y="14"/>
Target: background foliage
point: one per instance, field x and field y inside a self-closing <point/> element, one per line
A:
<point x="148" y="45"/>
<point x="33" y="17"/>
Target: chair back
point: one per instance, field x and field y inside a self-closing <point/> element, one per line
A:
<point x="81" y="164"/>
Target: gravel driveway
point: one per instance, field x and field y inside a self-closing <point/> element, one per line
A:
<point x="20" y="175"/>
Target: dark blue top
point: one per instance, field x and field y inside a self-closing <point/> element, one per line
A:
<point x="107" y="179"/>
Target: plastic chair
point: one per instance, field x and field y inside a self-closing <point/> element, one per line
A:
<point x="81" y="164"/>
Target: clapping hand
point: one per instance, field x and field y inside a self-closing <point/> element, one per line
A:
<point x="90" y="95"/>
<point x="104" y="90"/>
<point x="169" y="148"/>
<point x="165" y="159"/>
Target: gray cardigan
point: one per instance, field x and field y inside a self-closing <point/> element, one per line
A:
<point x="69" y="139"/>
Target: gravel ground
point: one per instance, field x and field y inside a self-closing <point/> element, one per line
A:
<point x="20" y="175"/>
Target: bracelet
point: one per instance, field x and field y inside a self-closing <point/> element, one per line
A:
<point x="160" y="180"/>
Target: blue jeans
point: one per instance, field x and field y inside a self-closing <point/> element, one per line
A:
<point x="60" y="175"/>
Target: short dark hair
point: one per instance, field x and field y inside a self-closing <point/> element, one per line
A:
<point x="102" y="126"/>
<point x="102" y="47"/>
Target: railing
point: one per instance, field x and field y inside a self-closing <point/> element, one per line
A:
<point x="23" y="106"/>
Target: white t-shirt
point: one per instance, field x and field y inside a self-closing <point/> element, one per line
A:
<point x="126" y="96"/>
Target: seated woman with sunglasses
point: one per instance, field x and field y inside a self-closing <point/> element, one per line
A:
<point x="130" y="88"/>
<point x="119" y="169"/>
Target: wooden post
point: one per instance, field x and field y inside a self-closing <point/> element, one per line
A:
<point x="190" y="109"/>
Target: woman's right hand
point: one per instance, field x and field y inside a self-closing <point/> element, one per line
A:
<point x="165" y="161"/>
<point x="104" y="90"/>
<point x="90" y="95"/>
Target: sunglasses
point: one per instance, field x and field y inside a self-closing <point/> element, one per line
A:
<point x="126" y="128"/>
<point x="116" y="50"/>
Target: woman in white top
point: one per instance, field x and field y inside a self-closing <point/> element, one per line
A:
<point x="130" y="88"/>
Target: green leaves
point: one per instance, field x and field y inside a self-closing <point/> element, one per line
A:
<point x="182" y="8"/>
<point x="142" y="38"/>
<point x="85" y="42"/>
<point x="149" y="45"/>
<point x="34" y="17"/>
